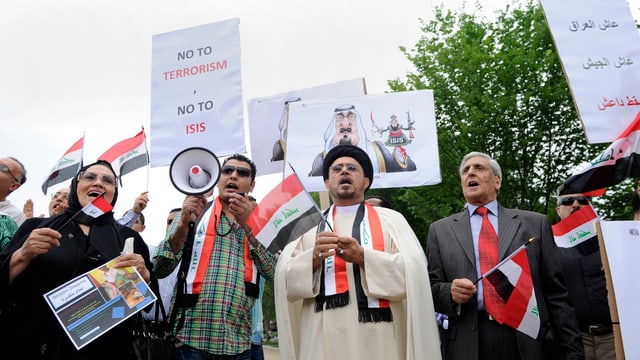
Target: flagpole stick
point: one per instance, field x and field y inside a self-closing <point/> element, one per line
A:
<point x="68" y="221"/>
<point x="73" y="217"/>
<point x="148" y="160"/>
<point x="314" y="203"/>
<point x="505" y="260"/>
<point x="148" y="167"/>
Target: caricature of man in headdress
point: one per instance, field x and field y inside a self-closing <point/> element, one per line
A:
<point x="346" y="128"/>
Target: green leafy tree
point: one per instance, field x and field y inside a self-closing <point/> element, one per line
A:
<point x="499" y="88"/>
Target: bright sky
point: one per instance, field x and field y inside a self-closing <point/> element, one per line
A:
<point x="73" y="66"/>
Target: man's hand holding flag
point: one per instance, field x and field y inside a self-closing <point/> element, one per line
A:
<point x="287" y="212"/>
<point x="512" y="280"/>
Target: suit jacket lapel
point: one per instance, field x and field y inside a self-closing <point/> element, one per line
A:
<point x="461" y="228"/>
<point x="508" y="224"/>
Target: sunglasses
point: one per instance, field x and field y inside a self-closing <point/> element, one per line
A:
<point x="242" y="171"/>
<point x="5" y="168"/>
<point x="89" y="176"/>
<point x="568" y="201"/>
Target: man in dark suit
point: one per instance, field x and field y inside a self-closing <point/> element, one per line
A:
<point x="454" y="266"/>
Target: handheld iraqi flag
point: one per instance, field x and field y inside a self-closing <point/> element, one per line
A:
<point x="286" y="213"/>
<point x="98" y="206"/>
<point x="619" y="161"/>
<point x="512" y="280"/>
<point x="128" y="155"/>
<point x="576" y="228"/>
<point x="576" y="234"/>
<point x="67" y="167"/>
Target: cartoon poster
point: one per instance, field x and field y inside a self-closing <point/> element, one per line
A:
<point x="268" y="120"/>
<point x="397" y="130"/>
<point x="93" y="303"/>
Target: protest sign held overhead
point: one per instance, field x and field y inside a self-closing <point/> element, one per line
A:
<point x="196" y="91"/>
<point x="597" y="43"/>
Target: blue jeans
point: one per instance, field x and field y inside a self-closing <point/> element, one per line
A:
<point x="186" y="352"/>
<point x="256" y="352"/>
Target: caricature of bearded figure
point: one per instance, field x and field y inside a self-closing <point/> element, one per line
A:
<point x="346" y="128"/>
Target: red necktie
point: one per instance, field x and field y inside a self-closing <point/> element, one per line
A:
<point x="488" y="251"/>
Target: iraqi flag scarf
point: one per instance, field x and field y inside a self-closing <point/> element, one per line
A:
<point x="203" y="244"/>
<point x="334" y="285"/>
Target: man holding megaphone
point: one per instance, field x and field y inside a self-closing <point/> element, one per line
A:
<point x="211" y="306"/>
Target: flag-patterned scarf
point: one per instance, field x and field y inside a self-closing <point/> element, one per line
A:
<point x="334" y="286"/>
<point x="203" y="243"/>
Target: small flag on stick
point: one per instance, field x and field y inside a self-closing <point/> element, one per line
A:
<point x="98" y="206"/>
<point x="512" y="281"/>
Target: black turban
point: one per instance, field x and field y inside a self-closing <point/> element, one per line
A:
<point x="352" y="151"/>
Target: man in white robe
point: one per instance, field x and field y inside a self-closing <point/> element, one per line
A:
<point x="386" y="311"/>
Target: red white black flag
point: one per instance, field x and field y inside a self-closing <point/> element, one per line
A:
<point x="287" y="212"/>
<point x="619" y="161"/>
<point x="576" y="228"/>
<point x="67" y="167"/>
<point x="512" y="281"/>
<point x="128" y="155"/>
<point x="98" y="206"/>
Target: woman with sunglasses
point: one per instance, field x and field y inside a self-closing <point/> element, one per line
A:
<point x="47" y="252"/>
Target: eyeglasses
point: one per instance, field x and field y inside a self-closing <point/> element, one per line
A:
<point x="568" y="201"/>
<point x="60" y="195"/>
<point x="242" y="171"/>
<point x="5" y="168"/>
<point x="89" y="176"/>
<point x="350" y="168"/>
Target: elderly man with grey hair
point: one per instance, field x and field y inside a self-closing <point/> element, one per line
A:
<point x="463" y="246"/>
<point x="12" y="176"/>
